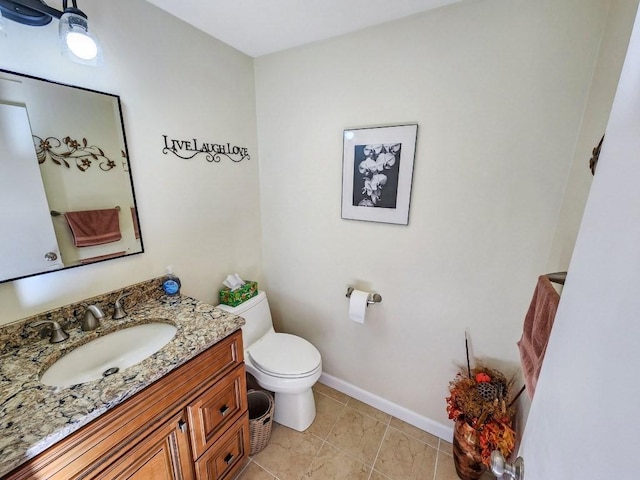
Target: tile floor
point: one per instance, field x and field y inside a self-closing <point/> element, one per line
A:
<point x="351" y="440"/>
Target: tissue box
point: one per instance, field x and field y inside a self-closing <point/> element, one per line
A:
<point x="236" y="297"/>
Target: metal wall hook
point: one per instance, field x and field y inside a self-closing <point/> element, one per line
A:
<point x="373" y="297"/>
<point x="499" y="466"/>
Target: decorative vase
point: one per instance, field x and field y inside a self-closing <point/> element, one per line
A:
<point x="467" y="456"/>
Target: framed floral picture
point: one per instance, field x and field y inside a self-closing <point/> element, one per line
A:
<point x="377" y="169"/>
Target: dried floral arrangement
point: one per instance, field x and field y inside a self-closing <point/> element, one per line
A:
<point x="480" y="398"/>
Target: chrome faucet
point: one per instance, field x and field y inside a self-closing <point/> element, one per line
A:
<point x="92" y="318"/>
<point x="57" y="334"/>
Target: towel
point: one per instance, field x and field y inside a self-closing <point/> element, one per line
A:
<point x="136" y="225"/>
<point x="103" y="257"/>
<point x="94" y="227"/>
<point x="537" y="328"/>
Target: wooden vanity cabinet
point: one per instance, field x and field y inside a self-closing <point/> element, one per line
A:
<point x="191" y="424"/>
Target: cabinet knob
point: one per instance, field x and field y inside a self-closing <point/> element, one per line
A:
<point x="223" y="410"/>
<point x="50" y="256"/>
<point x="229" y="458"/>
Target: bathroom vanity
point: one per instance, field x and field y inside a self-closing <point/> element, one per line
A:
<point x="179" y="414"/>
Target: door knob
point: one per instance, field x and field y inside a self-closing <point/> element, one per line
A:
<point x="499" y="466"/>
<point x="51" y="256"/>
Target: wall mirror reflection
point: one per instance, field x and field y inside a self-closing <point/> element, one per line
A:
<point x="66" y="189"/>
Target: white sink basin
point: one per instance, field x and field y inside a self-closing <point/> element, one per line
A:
<point x="108" y="354"/>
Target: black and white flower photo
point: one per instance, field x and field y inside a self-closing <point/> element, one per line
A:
<point x="375" y="179"/>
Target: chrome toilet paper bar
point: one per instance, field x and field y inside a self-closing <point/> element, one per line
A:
<point x="373" y="297"/>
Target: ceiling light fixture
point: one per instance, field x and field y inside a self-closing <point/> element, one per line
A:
<point x="76" y="41"/>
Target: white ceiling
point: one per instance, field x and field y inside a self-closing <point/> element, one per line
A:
<point x="260" y="27"/>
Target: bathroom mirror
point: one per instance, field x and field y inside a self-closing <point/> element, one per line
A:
<point x="66" y="189"/>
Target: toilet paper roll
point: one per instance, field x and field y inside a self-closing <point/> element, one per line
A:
<point x="358" y="305"/>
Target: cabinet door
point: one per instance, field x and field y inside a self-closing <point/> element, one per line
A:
<point x="214" y="410"/>
<point x="225" y="458"/>
<point x="162" y="455"/>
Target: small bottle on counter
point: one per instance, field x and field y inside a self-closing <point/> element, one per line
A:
<point x="171" y="284"/>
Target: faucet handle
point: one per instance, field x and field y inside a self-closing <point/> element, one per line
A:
<point x="57" y="332"/>
<point x="119" y="311"/>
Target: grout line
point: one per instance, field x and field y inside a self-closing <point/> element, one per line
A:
<point x="324" y="440"/>
<point x="435" y="467"/>
<point x="348" y="454"/>
<point x="329" y="396"/>
<point x="440" y="441"/>
<point x="379" y="448"/>
<point x="388" y="422"/>
<point x="267" y="470"/>
<point x="370" y="416"/>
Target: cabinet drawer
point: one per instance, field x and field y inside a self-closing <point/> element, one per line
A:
<point x="215" y="409"/>
<point x="226" y="457"/>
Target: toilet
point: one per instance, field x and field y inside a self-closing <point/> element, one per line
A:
<point x="281" y="363"/>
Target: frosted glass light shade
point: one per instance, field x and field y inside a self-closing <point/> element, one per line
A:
<point x="76" y="42"/>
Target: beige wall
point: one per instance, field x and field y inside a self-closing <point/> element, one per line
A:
<point x="594" y="122"/>
<point x="200" y="217"/>
<point x="498" y="89"/>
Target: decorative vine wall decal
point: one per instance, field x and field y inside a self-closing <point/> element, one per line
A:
<point x="73" y="151"/>
<point x="213" y="152"/>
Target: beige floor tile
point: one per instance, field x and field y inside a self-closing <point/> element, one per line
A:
<point x="332" y="464"/>
<point x="445" y="469"/>
<point x="357" y="434"/>
<point x="369" y="410"/>
<point x="327" y="412"/>
<point x="330" y="392"/>
<point x="415" y="432"/>
<point x="254" y="472"/>
<point x="403" y="457"/>
<point x="289" y="453"/>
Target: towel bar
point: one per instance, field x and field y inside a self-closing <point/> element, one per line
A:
<point x="55" y="213"/>
<point x="557" y="277"/>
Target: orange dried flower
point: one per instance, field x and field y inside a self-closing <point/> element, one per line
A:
<point x="492" y="419"/>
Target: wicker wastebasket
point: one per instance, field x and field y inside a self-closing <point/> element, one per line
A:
<point x="260" y="419"/>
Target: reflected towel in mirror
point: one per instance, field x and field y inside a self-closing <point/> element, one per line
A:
<point x="94" y="227"/>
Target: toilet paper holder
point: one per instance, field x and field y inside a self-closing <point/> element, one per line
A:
<point x="373" y="297"/>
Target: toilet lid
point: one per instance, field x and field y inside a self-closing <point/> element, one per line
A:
<point x="284" y="355"/>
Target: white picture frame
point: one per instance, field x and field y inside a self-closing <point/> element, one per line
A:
<point x="377" y="173"/>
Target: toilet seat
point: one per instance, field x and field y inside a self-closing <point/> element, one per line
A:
<point x="284" y="356"/>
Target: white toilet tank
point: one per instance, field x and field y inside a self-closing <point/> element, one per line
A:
<point x="257" y="315"/>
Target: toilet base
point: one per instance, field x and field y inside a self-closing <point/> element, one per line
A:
<point x="295" y="410"/>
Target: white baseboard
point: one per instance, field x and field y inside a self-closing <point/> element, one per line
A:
<point x="423" y="423"/>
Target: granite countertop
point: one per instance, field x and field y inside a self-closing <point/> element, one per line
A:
<point x="34" y="416"/>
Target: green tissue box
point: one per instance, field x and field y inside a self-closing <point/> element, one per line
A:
<point x="236" y="297"/>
